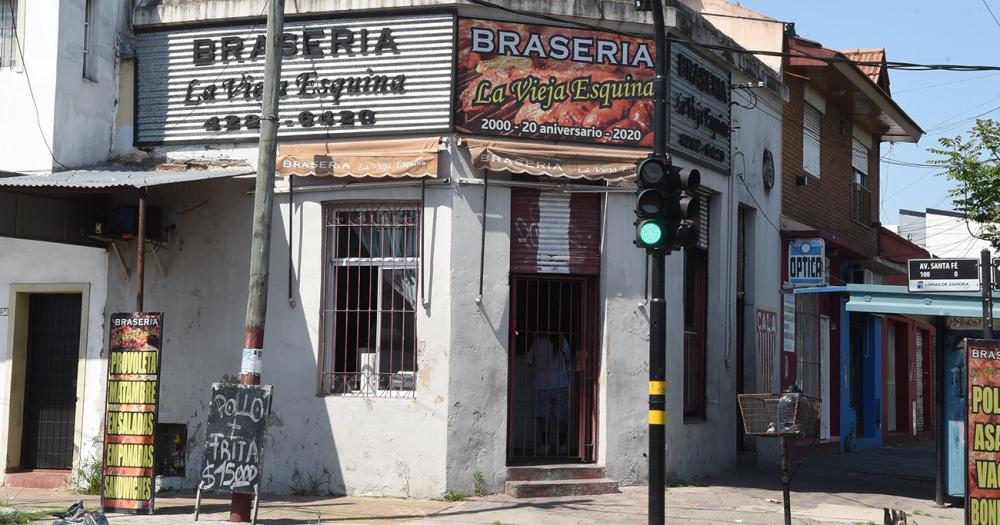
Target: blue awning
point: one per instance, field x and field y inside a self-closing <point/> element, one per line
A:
<point x="882" y="299"/>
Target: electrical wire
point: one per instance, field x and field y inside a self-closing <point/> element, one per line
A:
<point x="27" y="78"/>
<point x="889" y="64"/>
<point x="929" y="86"/>
<point x="997" y="22"/>
<point x="142" y="156"/>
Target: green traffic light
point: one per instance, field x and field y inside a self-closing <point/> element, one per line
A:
<point x="650" y="233"/>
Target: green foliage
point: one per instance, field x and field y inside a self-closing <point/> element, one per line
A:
<point x="87" y="478"/>
<point x="679" y="483"/>
<point x="974" y="164"/>
<point x="11" y="516"/>
<point x="310" y="484"/>
<point x="455" y="495"/>
<point x="479" y="484"/>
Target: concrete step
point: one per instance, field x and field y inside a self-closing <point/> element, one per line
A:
<point x="38" y="479"/>
<point x="554" y="472"/>
<point x="562" y="487"/>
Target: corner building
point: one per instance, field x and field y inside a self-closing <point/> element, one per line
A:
<point x="454" y="291"/>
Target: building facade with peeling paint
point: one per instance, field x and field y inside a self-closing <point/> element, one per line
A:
<point x="454" y="292"/>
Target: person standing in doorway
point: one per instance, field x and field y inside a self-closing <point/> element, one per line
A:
<point x="552" y="366"/>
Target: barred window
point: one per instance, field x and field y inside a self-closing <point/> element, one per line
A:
<point x="369" y="311"/>
<point x="89" y="18"/>
<point x="8" y="26"/>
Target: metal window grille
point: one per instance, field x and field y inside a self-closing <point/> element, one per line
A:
<point x="695" y="331"/>
<point x="861" y="196"/>
<point x="807" y="354"/>
<point x="8" y="27"/>
<point x="812" y="121"/>
<point x="88" y="39"/>
<point x="369" y="309"/>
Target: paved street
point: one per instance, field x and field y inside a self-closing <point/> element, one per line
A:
<point x="837" y="489"/>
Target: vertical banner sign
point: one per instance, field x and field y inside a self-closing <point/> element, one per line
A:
<point x="982" y="445"/>
<point x="131" y="413"/>
<point x="237" y="422"/>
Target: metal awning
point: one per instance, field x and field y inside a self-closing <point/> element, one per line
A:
<point x="543" y="159"/>
<point x="115" y="178"/>
<point x="883" y="299"/>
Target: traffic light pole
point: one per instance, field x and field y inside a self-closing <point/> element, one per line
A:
<point x="657" y="305"/>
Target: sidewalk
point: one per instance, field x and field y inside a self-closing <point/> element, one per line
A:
<point x="838" y="489"/>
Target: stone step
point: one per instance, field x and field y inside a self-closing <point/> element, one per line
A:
<point x="38" y="479"/>
<point x="554" y="472"/>
<point x="563" y="487"/>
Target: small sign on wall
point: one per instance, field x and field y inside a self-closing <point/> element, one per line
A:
<point x="807" y="262"/>
<point x="3" y="312"/>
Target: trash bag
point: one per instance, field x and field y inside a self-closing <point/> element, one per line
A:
<point x="86" y="518"/>
<point x="76" y="514"/>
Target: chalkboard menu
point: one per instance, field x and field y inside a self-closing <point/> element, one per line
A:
<point x="234" y="440"/>
<point x="127" y="483"/>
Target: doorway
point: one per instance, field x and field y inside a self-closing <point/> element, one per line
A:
<point x="50" y="381"/>
<point x="551" y="381"/>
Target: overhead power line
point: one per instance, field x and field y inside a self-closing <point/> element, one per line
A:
<point x="890" y="64"/>
<point x="997" y="22"/>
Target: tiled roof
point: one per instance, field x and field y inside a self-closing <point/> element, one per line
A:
<point x="867" y="55"/>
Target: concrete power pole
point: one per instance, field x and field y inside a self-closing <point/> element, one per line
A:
<point x="260" y="250"/>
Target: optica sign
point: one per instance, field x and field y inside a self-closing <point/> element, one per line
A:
<point x="807" y="262"/>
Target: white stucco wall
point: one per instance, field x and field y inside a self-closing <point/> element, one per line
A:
<point x="21" y="144"/>
<point x="947" y="235"/>
<point x="84" y="107"/>
<point x="369" y="446"/>
<point x="37" y="266"/>
<point x="74" y="114"/>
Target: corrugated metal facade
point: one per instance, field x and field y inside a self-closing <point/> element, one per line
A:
<point x="553" y="232"/>
<point x="169" y="108"/>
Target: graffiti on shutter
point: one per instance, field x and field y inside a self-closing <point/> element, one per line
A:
<point x="555" y="232"/>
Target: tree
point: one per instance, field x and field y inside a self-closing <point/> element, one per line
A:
<point x="974" y="164"/>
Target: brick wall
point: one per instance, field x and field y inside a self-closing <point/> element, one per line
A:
<point x="824" y="203"/>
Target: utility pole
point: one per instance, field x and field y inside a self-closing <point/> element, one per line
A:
<point x="986" y="273"/>
<point x="260" y="250"/>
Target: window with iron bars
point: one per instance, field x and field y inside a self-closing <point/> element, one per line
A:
<point x="8" y="36"/>
<point x="861" y="195"/>
<point x="369" y="309"/>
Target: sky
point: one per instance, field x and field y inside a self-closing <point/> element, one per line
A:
<point x="941" y="102"/>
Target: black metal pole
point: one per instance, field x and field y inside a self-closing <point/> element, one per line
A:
<point x="986" y="272"/>
<point x="140" y="252"/>
<point x="785" y="481"/>
<point x="657" y="304"/>
<point x="939" y="351"/>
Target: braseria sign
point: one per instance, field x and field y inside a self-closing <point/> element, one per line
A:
<point x="338" y="77"/>
<point x="129" y="466"/>
<point x="557" y="83"/>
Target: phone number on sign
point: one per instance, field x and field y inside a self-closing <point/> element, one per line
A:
<point x="534" y="128"/>
<point x="306" y="119"/>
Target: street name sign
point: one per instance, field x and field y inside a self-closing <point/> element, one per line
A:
<point x="943" y="275"/>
